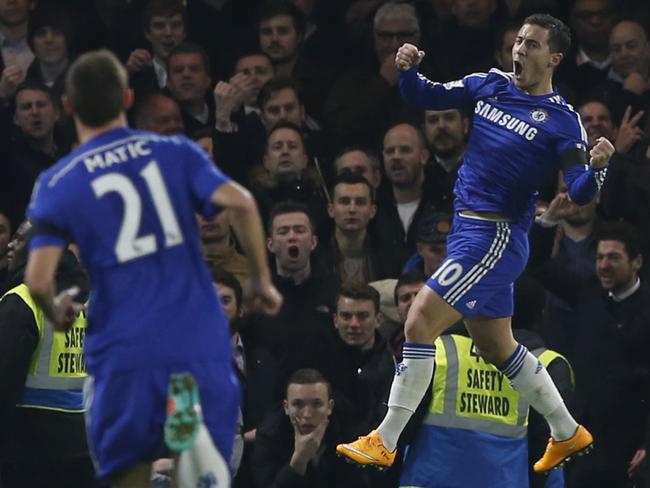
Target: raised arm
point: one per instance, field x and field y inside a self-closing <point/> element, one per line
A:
<point x="423" y="93"/>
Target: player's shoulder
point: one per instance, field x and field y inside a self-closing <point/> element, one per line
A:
<point x="561" y="108"/>
<point x="493" y="80"/>
<point x="111" y="148"/>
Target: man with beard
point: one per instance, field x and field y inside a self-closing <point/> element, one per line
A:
<point x="446" y="132"/>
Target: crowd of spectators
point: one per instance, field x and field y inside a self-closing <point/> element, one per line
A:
<point x="298" y="101"/>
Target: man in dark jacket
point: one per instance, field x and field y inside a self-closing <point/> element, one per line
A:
<point x="31" y="144"/>
<point x="610" y="356"/>
<point x="295" y="443"/>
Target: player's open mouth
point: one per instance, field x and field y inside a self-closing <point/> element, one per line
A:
<point x="518" y="68"/>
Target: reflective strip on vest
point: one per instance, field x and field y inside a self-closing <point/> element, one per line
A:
<point x="58" y="369"/>
<point x="469" y="393"/>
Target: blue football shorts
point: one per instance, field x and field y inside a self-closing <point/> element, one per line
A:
<point x="126" y="411"/>
<point x="484" y="258"/>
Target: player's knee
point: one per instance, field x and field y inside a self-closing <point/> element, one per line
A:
<point x="418" y="327"/>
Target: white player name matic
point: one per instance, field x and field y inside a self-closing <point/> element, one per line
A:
<point x="120" y="154"/>
<point x="503" y="119"/>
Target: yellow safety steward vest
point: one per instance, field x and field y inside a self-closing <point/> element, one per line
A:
<point x="469" y="393"/>
<point x="57" y="369"/>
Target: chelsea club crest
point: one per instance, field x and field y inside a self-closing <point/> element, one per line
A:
<point x="539" y="115"/>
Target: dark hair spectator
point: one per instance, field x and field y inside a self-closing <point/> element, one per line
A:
<point x="358" y="291"/>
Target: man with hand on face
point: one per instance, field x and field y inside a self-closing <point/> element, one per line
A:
<point x="522" y="129"/>
<point x="295" y="443"/>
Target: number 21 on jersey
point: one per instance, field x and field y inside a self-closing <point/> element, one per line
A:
<point x="129" y="246"/>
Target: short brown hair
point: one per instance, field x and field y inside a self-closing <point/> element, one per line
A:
<point x="308" y="376"/>
<point x="349" y="178"/>
<point x="358" y="291"/>
<point x="162" y="8"/>
<point x="286" y="207"/>
<point x="96" y="83"/>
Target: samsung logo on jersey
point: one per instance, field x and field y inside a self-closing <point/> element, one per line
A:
<point x="116" y="155"/>
<point x="503" y="119"/>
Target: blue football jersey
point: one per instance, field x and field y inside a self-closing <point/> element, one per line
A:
<point x="128" y="199"/>
<point x="516" y="139"/>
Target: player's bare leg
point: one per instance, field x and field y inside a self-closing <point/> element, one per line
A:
<point x="428" y="317"/>
<point x="493" y="338"/>
<point x="137" y="476"/>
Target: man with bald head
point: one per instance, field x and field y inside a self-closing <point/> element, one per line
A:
<point x="405" y="156"/>
<point x="627" y="81"/>
<point x="630" y="50"/>
<point x="159" y="113"/>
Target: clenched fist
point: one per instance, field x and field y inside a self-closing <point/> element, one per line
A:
<point x="600" y="153"/>
<point x="408" y="56"/>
